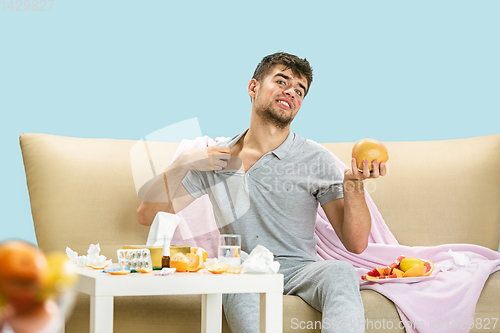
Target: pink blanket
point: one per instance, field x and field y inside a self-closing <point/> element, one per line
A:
<point x="444" y="303"/>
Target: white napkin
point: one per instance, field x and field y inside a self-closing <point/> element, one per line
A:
<point x="457" y="261"/>
<point x="260" y="260"/>
<point x="93" y="258"/>
<point x="162" y="229"/>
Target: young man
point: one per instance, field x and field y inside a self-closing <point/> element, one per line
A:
<point x="265" y="184"/>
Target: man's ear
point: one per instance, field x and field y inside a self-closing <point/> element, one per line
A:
<point x="252" y="88"/>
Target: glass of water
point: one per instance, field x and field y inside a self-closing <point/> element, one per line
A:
<point x="230" y="249"/>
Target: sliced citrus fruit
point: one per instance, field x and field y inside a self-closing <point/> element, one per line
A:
<point x="415" y="271"/>
<point x="196" y="263"/>
<point x="234" y="270"/>
<point x="398" y="272"/>
<point x="189" y="256"/>
<point x="125" y="272"/>
<point x="180" y="262"/>
<point x="144" y="270"/>
<point x="195" y="250"/>
<point x="218" y="268"/>
<point x="429" y="265"/>
<point x="97" y="266"/>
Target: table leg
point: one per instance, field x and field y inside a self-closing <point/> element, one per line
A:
<point x="101" y="314"/>
<point x="211" y="313"/>
<point x="271" y="312"/>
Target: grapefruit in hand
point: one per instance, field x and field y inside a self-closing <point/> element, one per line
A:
<point x="370" y="150"/>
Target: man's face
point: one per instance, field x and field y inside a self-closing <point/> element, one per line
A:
<point x="279" y="96"/>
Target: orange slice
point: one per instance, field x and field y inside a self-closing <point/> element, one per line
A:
<point x="398" y="272"/>
<point x="144" y="270"/>
<point x="97" y="267"/>
<point x="218" y="268"/>
<point x="429" y="265"/>
<point x="120" y="272"/>
<point x="415" y="271"/>
<point x="234" y="270"/>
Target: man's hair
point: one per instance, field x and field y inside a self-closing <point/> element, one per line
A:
<point x="299" y="67"/>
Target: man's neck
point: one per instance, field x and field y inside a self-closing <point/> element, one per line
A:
<point x="264" y="139"/>
<point x="261" y="138"/>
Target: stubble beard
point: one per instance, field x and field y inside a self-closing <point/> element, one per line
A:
<point x="270" y="116"/>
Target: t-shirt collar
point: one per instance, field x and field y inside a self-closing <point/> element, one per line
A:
<point x="279" y="152"/>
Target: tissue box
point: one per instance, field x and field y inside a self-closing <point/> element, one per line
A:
<point x="156" y="252"/>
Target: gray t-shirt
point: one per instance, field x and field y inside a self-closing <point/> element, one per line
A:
<point x="276" y="201"/>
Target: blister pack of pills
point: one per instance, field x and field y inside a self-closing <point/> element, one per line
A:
<point x="135" y="258"/>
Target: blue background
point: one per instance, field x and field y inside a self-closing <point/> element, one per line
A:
<point x="393" y="70"/>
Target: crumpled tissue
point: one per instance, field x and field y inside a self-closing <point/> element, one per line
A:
<point x="93" y="258"/>
<point x="457" y="261"/>
<point x="260" y="260"/>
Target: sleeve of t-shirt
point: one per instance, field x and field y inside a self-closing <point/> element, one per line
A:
<point x="194" y="183"/>
<point x="331" y="180"/>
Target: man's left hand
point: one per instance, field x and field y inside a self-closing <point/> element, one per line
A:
<point x="353" y="173"/>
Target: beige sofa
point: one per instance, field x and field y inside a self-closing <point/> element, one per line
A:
<point x="82" y="192"/>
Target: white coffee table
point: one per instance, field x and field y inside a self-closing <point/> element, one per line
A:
<point x="102" y="287"/>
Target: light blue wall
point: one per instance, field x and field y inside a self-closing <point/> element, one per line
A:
<point x="394" y="70"/>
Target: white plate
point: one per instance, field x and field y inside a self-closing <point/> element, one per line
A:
<point x="403" y="280"/>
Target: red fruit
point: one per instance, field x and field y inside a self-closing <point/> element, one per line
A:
<point x="374" y="273"/>
<point x="429" y="267"/>
<point x="393" y="265"/>
<point x="401" y="257"/>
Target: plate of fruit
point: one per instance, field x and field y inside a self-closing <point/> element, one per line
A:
<point x="402" y="270"/>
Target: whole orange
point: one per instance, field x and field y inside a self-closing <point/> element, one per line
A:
<point x="21" y="270"/>
<point x="370" y="150"/>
